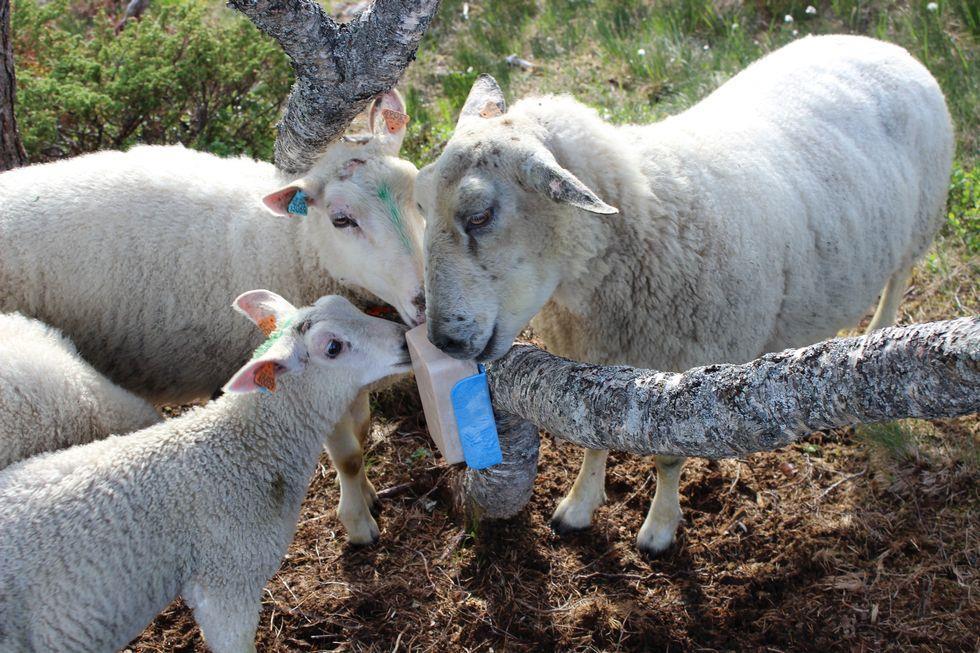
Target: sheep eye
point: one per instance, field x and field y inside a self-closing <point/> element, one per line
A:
<point x="479" y="220"/>
<point x="334" y="347"/>
<point x="342" y="221"/>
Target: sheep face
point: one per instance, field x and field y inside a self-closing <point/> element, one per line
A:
<point x="331" y="336"/>
<point x="360" y="212"/>
<point x="499" y="213"/>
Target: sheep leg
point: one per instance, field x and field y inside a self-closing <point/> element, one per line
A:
<point x="659" y="528"/>
<point x="891" y="297"/>
<point x="361" y="413"/>
<point x="354" y="510"/>
<point x="228" y="619"/>
<point x="589" y="491"/>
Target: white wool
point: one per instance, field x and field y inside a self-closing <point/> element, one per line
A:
<point x="51" y="399"/>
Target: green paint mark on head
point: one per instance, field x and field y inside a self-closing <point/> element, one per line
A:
<point x="271" y="340"/>
<point x="395" y="215"/>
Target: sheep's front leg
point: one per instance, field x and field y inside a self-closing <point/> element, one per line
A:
<point x="228" y="618"/>
<point x="361" y="414"/>
<point x="589" y="491"/>
<point x="658" y="530"/>
<point x="356" y="492"/>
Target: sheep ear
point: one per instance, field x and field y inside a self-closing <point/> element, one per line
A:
<point x="485" y="100"/>
<point x="256" y="376"/>
<point x="542" y="173"/>
<point x="388" y="121"/>
<point x="290" y="200"/>
<point x="265" y="308"/>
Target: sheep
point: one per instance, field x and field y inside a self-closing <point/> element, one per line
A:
<point x="133" y="254"/>
<point x="51" y="399"/>
<point x="769" y="215"/>
<point x="96" y="540"/>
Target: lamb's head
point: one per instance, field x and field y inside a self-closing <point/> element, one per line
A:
<point x="500" y="217"/>
<point x="359" y="211"/>
<point x="331" y="338"/>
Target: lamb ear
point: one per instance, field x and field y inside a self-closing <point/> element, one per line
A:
<point x="289" y="200"/>
<point x="485" y="100"/>
<point x="542" y="173"/>
<point x="264" y="307"/>
<point x="256" y="376"/>
<point x="388" y="120"/>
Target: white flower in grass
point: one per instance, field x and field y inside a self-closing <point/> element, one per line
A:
<point x="933" y="6"/>
<point x="641" y="52"/>
<point x="787" y="18"/>
<point x="810" y="10"/>
<point x="796" y="32"/>
<point x="734" y="26"/>
<point x="706" y="47"/>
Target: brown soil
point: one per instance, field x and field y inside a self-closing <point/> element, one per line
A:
<point x="832" y="544"/>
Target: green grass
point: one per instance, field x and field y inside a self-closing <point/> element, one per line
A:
<point x="641" y="61"/>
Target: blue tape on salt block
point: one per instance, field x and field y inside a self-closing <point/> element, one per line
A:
<point x="297" y="205"/>
<point x="475" y="421"/>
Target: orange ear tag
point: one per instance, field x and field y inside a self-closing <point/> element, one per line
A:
<point x="267" y="325"/>
<point x="490" y="110"/>
<point x="394" y="120"/>
<point x="265" y="376"/>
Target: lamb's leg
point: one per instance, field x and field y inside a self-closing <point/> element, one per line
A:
<point x="589" y="491"/>
<point x="658" y="530"/>
<point x="361" y="414"/>
<point x="228" y="618"/>
<point x="354" y="510"/>
<point x="891" y="297"/>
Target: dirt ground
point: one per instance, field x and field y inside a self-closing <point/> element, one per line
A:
<point x="833" y="544"/>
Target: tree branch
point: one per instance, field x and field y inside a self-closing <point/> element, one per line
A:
<point x="339" y="67"/>
<point x="924" y="370"/>
<point x="12" y="153"/>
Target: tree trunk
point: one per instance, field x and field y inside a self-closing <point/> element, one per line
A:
<point x="339" y="67"/>
<point x="924" y="370"/>
<point x="12" y="153"/>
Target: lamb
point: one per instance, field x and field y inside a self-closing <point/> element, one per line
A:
<point x="203" y="505"/>
<point x="133" y="254"/>
<point x="767" y="216"/>
<point x="51" y="399"/>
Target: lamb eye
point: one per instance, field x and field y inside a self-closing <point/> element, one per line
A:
<point x="334" y="347"/>
<point x="479" y="220"/>
<point x="342" y="221"/>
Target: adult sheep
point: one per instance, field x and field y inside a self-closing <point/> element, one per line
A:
<point x="51" y="399"/>
<point x="133" y="256"/>
<point x="769" y="215"/>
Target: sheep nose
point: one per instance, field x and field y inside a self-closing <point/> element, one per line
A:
<point x="449" y="345"/>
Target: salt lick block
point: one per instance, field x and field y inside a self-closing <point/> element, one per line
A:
<point x="456" y="401"/>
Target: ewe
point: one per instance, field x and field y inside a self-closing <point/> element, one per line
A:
<point x="769" y="215"/>
<point x="97" y="539"/>
<point x="133" y="255"/>
<point x="51" y="399"/>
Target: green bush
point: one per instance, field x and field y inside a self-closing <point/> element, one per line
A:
<point x="963" y="218"/>
<point x="186" y="73"/>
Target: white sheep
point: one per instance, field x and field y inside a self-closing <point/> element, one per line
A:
<point x="769" y="215"/>
<point x="97" y="539"/>
<point x="51" y="399"/>
<point x="133" y="254"/>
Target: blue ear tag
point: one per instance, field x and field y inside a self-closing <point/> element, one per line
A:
<point x="297" y="205"/>
<point x="475" y="421"/>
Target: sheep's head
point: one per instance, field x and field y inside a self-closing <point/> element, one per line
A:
<point x="497" y="208"/>
<point x="357" y="350"/>
<point x="358" y="207"/>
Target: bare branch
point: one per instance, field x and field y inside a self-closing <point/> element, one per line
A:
<point x="339" y="67"/>
<point x="924" y="370"/>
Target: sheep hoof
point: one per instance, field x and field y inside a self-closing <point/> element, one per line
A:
<point x="559" y="527"/>
<point x="654" y="542"/>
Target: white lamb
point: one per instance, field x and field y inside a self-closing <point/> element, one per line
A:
<point x="51" y="399"/>
<point x="133" y="254"/>
<point x="97" y="539"/>
<point x="769" y="215"/>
